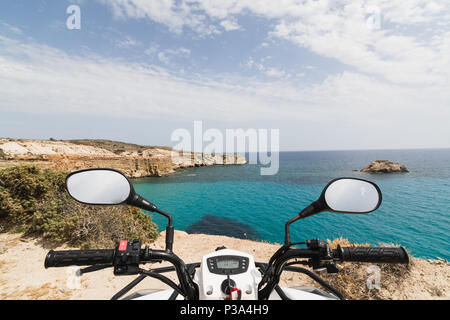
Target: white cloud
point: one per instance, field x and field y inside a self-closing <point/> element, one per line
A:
<point x="153" y="49"/>
<point x="230" y="25"/>
<point x="40" y="79"/>
<point x="274" y="72"/>
<point x="128" y="42"/>
<point x="334" y="29"/>
<point x="11" y="28"/>
<point x="174" y="14"/>
<point x="163" y="58"/>
<point x="267" y="70"/>
<point x="167" y="55"/>
<point x="396" y="57"/>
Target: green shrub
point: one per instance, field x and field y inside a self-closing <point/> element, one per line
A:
<point x="2" y="154"/>
<point x="35" y="201"/>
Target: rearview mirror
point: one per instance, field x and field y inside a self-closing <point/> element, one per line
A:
<point x="346" y="195"/>
<point x="343" y="195"/>
<point x="99" y="186"/>
<point x="110" y="187"/>
<point x="350" y="195"/>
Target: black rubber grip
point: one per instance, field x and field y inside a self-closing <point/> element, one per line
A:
<point x="67" y="258"/>
<point x="374" y="254"/>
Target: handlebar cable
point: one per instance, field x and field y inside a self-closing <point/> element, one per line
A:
<point x="162" y="278"/>
<point x="273" y="271"/>
<point x="94" y="268"/>
<point x="269" y="266"/>
<point x="316" y="278"/>
<point x="128" y="287"/>
<point x="293" y="263"/>
<point x="186" y="283"/>
<point x="144" y="274"/>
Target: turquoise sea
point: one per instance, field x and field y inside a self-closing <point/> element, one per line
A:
<point x="238" y="201"/>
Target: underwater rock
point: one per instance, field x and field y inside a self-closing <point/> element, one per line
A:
<point x="213" y="225"/>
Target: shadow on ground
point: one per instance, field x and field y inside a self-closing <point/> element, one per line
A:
<point x="210" y="224"/>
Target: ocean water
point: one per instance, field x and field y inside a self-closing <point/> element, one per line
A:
<point x="239" y="202"/>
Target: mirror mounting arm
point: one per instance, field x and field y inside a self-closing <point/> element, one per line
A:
<point x="137" y="201"/>
<point x="169" y="230"/>
<point x="313" y="208"/>
<point x="287" y="236"/>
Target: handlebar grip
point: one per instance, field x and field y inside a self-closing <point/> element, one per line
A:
<point x="67" y="258"/>
<point x="374" y="254"/>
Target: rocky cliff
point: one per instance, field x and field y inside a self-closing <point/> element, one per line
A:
<point x="135" y="161"/>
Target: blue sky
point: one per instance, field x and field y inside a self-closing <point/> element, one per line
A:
<point x="327" y="74"/>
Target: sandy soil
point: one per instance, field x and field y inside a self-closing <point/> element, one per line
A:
<point x="23" y="276"/>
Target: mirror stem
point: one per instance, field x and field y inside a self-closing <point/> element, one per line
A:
<point x="141" y="203"/>
<point x="287" y="236"/>
<point x="169" y="230"/>
<point x="310" y="210"/>
<point x="169" y="238"/>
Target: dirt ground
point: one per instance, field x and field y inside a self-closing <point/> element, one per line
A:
<point x="23" y="276"/>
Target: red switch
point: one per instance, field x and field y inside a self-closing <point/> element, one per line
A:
<point x="123" y="245"/>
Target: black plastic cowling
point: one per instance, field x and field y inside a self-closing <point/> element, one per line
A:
<point x="373" y="254"/>
<point x="65" y="258"/>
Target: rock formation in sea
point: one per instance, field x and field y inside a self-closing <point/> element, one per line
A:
<point x="384" y="166"/>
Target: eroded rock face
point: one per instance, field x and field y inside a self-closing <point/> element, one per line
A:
<point x="65" y="156"/>
<point x="384" y="166"/>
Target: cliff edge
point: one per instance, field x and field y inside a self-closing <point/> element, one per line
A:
<point x="134" y="160"/>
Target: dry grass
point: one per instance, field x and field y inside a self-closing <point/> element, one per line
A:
<point x="352" y="278"/>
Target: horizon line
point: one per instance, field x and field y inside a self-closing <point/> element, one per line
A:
<point x="303" y="150"/>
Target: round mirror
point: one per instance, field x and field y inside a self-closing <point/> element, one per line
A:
<point x="98" y="186"/>
<point x="352" y="196"/>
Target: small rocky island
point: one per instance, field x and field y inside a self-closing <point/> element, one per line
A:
<point x="384" y="166"/>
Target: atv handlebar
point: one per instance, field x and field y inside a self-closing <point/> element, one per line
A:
<point x="372" y="254"/>
<point x="126" y="262"/>
<point x="125" y="259"/>
<point x="67" y="258"/>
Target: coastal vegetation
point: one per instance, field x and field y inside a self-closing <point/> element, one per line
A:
<point x="34" y="201"/>
<point x="116" y="147"/>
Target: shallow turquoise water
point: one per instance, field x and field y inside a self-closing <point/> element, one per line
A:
<point x="415" y="209"/>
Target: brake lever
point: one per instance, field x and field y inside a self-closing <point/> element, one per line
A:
<point x="93" y="268"/>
